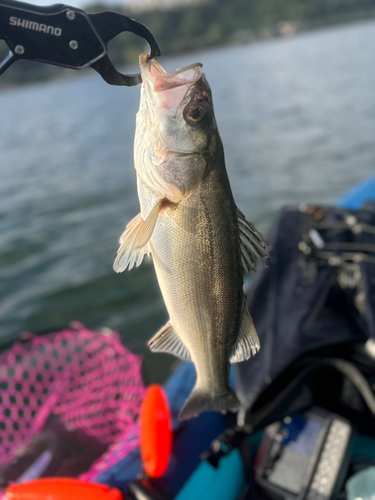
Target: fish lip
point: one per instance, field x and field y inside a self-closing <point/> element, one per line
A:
<point x="166" y="80"/>
<point x="177" y="154"/>
<point x="145" y="64"/>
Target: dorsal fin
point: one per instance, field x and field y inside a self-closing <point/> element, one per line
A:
<point x="247" y="343"/>
<point x="253" y="245"/>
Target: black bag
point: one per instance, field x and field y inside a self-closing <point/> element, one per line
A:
<point x="316" y="298"/>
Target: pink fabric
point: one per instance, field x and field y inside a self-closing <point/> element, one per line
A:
<point x="87" y="378"/>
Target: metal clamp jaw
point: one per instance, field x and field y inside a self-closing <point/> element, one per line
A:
<point x="65" y="36"/>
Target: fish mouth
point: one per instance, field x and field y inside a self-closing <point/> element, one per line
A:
<point x="154" y="73"/>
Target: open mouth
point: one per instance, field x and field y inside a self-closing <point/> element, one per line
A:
<point x="162" y="80"/>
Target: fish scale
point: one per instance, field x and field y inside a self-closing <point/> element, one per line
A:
<point x="200" y="293"/>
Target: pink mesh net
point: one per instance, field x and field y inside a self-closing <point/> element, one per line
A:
<point x="88" y="379"/>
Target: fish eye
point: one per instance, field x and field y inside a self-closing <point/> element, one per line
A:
<point x="194" y="114"/>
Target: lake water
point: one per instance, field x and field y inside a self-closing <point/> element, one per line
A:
<point x="297" y="118"/>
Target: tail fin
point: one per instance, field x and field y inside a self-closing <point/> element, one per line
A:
<point x="201" y="400"/>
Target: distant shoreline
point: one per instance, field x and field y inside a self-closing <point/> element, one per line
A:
<point x="24" y="73"/>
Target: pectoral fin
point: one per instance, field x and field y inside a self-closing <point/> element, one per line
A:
<point x="134" y="240"/>
<point x="253" y="245"/>
<point x="167" y="340"/>
<point x="147" y="228"/>
<point x="247" y="343"/>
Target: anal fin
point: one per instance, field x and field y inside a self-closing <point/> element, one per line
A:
<point x="134" y="240"/>
<point x="167" y="340"/>
<point x="247" y="343"/>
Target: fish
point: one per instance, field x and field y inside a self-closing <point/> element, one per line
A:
<point x="200" y="242"/>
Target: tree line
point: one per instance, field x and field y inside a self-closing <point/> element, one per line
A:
<point x="208" y="24"/>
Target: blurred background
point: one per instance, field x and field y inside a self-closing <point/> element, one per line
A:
<point x="294" y="92"/>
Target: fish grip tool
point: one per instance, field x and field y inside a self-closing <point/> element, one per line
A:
<point x="69" y="37"/>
